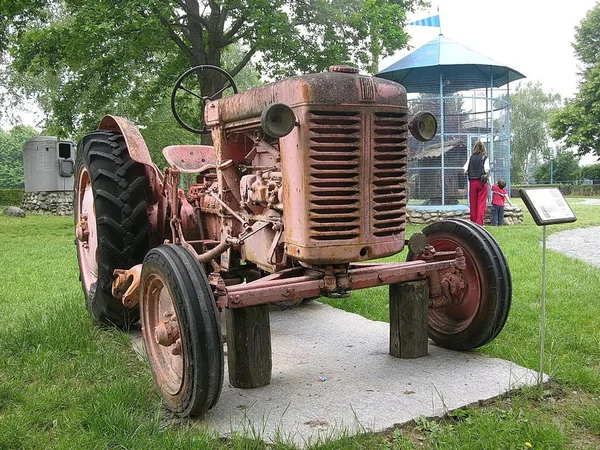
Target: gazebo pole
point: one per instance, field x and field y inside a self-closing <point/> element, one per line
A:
<point x="442" y="137"/>
<point x="507" y="124"/>
<point x="492" y="160"/>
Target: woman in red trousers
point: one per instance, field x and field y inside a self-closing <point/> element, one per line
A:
<point x="477" y="166"/>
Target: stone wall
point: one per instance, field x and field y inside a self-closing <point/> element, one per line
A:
<point x="512" y="215"/>
<point x="56" y="203"/>
<point x="60" y="203"/>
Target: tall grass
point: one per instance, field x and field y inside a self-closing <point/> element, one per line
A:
<point x="66" y="384"/>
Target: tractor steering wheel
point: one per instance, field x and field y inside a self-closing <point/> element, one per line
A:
<point x="179" y="85"/>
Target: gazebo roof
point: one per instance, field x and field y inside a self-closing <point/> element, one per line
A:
<point x="459" y="68"/>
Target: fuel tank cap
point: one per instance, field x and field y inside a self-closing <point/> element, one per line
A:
<point x="344" y="69"/>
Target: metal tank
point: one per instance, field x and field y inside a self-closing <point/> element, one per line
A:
<point x="48" y="164"/>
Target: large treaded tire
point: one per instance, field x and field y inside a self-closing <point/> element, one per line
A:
<point x="484" y="310"/>
<point x="119" y="188"/>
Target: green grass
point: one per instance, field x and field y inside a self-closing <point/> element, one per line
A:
<point x="66" y="384"/>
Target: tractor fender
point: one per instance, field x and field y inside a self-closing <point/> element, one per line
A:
<point x="138" y="150"/>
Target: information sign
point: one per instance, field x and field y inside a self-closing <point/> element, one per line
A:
<point x="547" y="206"/>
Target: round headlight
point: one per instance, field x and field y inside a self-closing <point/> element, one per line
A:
<point x="423" y="126"/>
<point x="278" y="120"/>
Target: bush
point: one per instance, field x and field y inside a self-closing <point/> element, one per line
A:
<point x="574" y="190"/>
<point x="11" y="197"/>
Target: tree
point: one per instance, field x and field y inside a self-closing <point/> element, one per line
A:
<point x="90" y="57"/>
<point x="14" y="17"/>
<point x="530" y="112"/>
<point x="15" y="14"/>
<point x="565" y="168"/>
<point x="591" y="172"/>
<point x="11" y="155"/>
<point x="578" y="121"/>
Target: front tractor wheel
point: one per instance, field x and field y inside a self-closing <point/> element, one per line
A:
<point x="479" y="316"/>
<point x="181" y="330"/>
<point x="111" y="221"/>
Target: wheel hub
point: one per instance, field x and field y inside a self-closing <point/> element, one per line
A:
<point x="85" y="230"/>
<point x="166" y="333"/>
<point x="454" y="287"/>
<point x="162" y="334"/>
<point x="82" y="232"/>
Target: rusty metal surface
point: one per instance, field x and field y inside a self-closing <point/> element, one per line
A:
<point x="190" y="158"/>
<point x="160" y="328"/>
<point x="257" y="245"/>
<point x="339" y="177"/>
<point x="348" y="188"/>
<point x="136" y="146"/>
<point x="332" y="88"/>
<point x="86" y="230"/>
<point x="343" y="168"/>
<point x="126" y="285"/>
<point x="260" y="293"/>
<point x="314" y="284"/>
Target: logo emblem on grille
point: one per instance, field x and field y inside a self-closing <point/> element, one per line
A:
<point x="367" y="90"/>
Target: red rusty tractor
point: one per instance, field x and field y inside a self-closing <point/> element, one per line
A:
<point x="306" y="181"/>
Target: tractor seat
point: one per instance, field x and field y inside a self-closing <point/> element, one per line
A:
<point x="190" y="158"/>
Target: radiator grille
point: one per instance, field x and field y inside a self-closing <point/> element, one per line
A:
<point x="335" y="160"/>
<point x="389" y="159"/>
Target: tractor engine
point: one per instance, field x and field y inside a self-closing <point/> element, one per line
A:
<point x="313" y="168"/>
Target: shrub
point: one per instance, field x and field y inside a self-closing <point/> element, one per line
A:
<point x="11" y="197"/>
<point x="574" y="190"/>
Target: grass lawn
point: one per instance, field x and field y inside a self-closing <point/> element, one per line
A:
<point x="66" y="384"/>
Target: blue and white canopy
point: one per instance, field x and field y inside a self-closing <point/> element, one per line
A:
<point x="444" y="62"/>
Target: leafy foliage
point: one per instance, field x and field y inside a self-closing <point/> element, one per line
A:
<point x="86" y="58"/>
<point x="14" y="16"/>
<point x="565" y="169"/>
<point x="531" y="108"/>
<point x="11" y="156"/>
<point x="591" y="172"/>
<point x="578" y="121"/>
<point x="11" y="197"/>
<point x="90" y="59"/>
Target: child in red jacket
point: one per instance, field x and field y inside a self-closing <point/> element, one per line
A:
<point x="499" y="194"/>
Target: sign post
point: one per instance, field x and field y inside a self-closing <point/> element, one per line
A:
<point x="547" y="207"/>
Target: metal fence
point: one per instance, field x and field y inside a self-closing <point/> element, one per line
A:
<point x="435" y="168"/>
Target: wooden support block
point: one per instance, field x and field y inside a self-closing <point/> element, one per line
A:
<point x="249" y="346"/>
<point x="409" y="303"/>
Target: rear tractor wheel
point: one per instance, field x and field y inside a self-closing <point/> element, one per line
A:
<point x="111" y="221"/>
<point x="480" y="314"/>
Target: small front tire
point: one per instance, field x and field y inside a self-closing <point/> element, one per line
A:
<point x="181" y="330"/>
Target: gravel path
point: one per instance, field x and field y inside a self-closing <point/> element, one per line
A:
<point x="580" y="243"/>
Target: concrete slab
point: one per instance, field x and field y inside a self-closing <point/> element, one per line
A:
<point x="332" y="375"/>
